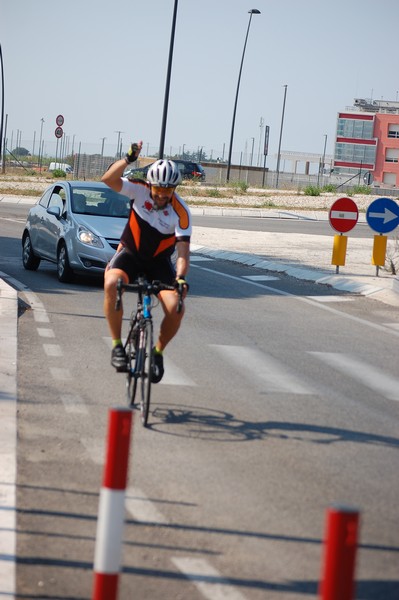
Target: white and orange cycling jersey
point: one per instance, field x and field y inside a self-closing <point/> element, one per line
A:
<point x="150" y="232"/>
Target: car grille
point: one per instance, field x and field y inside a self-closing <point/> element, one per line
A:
<point x="113" y="243"/>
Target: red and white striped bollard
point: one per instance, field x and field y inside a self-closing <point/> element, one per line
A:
<point x="340" y="542"/>
<point x="111" y="512"/>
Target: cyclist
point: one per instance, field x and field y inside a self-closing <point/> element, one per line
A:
<point x="159" y="222"/>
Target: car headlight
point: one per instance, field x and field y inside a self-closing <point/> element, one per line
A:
<point x="87" y="237"/>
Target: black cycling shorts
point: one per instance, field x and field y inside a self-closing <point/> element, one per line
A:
<point x="158" y="269"/>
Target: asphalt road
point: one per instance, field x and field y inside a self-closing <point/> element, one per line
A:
<point x="280" y="398"/>
<point x="288" y="225"/>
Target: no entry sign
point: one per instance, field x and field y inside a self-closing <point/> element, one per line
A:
<point x="343" y="215"/>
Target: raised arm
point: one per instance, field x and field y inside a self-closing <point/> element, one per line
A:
<point x="113" y="176"/>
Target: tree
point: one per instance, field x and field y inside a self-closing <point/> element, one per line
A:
<point x="21" y="151"/>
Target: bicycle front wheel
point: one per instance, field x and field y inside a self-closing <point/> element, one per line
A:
<point x="134" y="368"/>
<point x="146" y="375"/>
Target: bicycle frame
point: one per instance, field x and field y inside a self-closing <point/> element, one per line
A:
<point x="139" y="342"/>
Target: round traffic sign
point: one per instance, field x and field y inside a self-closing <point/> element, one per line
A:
<point x="383" y="215"/>
<point x="60" y="120"/>
<point x="343" y="215"/>
<point x="368" y="178"/>
<point x="58" y="132"/>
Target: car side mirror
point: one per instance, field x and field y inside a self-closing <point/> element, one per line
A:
<point x="55" y="211"/>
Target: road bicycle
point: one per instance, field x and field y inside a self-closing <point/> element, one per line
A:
<point x="139" y="341"/>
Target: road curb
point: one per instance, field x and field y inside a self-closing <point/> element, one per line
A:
<point x="8" y="438"/>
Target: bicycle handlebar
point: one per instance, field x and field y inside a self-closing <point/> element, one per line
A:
<point x="145" y="287"/>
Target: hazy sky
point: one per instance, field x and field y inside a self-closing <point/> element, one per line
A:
<point x="103" y="67"/>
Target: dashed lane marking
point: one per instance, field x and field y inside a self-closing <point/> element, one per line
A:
<point x="52" y="349"/>
<point x="46" y="333"/>
<point x="208" y="581"/>
<point x="74" y="404"/>
<point x="264" y="367"/>
<point x="141" y="508"/>
<point x="60" y="374"/>
<point x="366" y="374"/>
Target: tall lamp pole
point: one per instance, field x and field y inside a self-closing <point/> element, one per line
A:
<point x="281" y="135"/>
<point x="253" y="11"/>
<point x="167" y="87"/>
<point x="2" y="105"/>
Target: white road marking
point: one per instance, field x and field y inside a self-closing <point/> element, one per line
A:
<point x="260" y="277"/>
<point x="52" y="349"/>
<point x="60" y="374"/>
<point x="95" y="449"/>
<point x="393" y="325"/>
<point x="337" y="298"/>
<point x="141" y="508"/>
<point x="264" y="367"/>
<point x="175" y="375"/>
<point x="39" y="312"/>
<point x="217" y="588"/>
<point x="47" y="333"/>
<point x="74" y="404"/>
<point x="366" y="374"/>
<point x="40" y="316"/>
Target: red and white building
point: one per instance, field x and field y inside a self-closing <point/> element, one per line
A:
<point x="367" y="140"/>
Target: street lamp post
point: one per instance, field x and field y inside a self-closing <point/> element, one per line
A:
<point x="253" y="11"/>
<point x="281" y="135"/>
<point x="167" y="87"/>
<point x="40" y="145"/>
<point x="252" y="151"/>
<point x="2" y="106"/>
<point x="118" y="150"/>
<point x="324" y="157"/>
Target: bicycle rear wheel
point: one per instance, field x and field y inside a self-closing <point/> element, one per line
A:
<point x="146" y="374"/>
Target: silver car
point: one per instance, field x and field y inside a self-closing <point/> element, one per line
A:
<point x="75" y="224"/>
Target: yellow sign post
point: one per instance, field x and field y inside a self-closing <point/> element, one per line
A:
<point x="379" y="251"/>
<point x="339" y="251"/>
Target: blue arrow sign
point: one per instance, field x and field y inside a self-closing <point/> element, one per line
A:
<point x="383" y="215"/>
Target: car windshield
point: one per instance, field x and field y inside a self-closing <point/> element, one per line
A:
<point x="102" y="203"/>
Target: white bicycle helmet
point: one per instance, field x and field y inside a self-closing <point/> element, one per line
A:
<point x="164" y="173"/>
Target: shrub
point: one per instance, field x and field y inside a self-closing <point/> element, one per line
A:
<point x="214" y="193"/>
<point x="241" y="186"/>
<point x="312" y="190"/>
<point x="59" y="173"/>
<point x="329" y="187"/>
<point x="360" y="189"/>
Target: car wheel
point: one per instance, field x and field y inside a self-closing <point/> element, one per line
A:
<point x="64" y="271"/>
<point x="29" y="260"/>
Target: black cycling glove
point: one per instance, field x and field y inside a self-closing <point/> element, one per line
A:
<point x="132" y="154"/>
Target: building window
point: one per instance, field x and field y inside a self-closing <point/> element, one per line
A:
<point x="393" y="130"/>
<point x="392" y="155"/>
<point x="389" y="179"/>
<point x="355" y="128"/>
<point x="355" y="153"/>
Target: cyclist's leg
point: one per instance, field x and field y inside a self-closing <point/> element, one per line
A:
<point x="172" y="319"/>
<point x="165" y="272"/>
<point x="114" y="317"/>
<point x="120" y="266"/>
